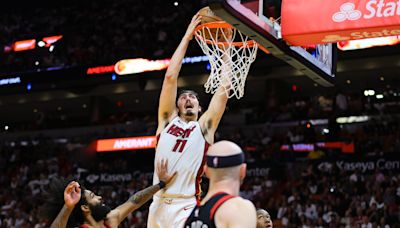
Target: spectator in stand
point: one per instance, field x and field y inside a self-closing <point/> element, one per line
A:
<point x="341" y="103"/>
<point x="263" y="219"/>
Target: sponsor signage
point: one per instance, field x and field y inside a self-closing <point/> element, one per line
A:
<point x="318" y="21"/>
<point x="307" y="147"/>
<point x="367" y="165"/>
<point x="125" y="177"/>
<point x="134" y="66"/>
<point x="140" y="65"/>
<point x="110" y="178"/>
<point x="100" y="69"/>
<point x="368" y="43"/>
<point x="132" y="143"/>
<point x="51" y="40"/>
<point x="24" y="45"/>
<point x="9" y="81"/>
<point x="104" y="178"/>
<point x="257" y="171"/>
<point x="352" y="119"/>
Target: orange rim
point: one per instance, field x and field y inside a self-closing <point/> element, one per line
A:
<point x="222" y="24"/>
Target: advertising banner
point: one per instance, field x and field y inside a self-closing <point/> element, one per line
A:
<point x="364" y="166"/>
<point x="132" y="143"/>
<point x="110" y="178"/>
<point x="368" y="43"/>
<point x="307" y="22"/>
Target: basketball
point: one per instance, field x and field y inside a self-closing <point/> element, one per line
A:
<point x="209" y="16"/>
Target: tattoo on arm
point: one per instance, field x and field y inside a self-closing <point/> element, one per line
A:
<point x="144" y="195"/>
<point x="62" y="218"/>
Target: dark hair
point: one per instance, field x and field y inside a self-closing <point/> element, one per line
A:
<point x="54" y="202"/>
<point x="180" y="92"/>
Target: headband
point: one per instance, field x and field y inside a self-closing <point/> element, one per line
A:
<point x="225" y="161"/>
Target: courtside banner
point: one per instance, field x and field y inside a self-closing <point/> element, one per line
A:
<point x="133" y="143"/>
<point x="307" y="22"/>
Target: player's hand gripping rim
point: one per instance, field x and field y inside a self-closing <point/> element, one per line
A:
<point x="192" y="26"/>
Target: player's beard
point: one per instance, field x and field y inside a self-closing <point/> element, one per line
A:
<point x="189" y="113"/>
<point x="99" y="211"/>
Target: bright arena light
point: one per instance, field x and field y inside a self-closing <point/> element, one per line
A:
<point x="352" y="119"/>
<point x="369" y="92"/>
<point x="41" y="43"/>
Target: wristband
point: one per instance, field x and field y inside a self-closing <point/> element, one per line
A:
<point x="161" y="184"/>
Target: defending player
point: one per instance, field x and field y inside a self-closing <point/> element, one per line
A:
<point x="222" y="207"/>
<point x="71" y="205"/>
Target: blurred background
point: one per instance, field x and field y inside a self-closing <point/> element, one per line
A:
<point x="317" y="156"/>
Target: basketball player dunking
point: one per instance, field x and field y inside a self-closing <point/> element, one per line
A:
<point x="183" y="140"/>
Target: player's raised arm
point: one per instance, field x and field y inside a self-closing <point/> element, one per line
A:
<point x="141" y="197"/>
<point x="72" y="195"/>
<point x="169" y="89"/>
<point x="210" y="119"/>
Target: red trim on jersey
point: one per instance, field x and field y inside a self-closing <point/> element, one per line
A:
<point x="218" y="193"/>
<point x="218" y="204"/>
<point x="200" y="173"/>
<point x="158" y="138"/>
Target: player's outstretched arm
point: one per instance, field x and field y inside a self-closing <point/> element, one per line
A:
<point x="236" y="213"/>
<point x="209" y="121"/>
<point x="141" y="197"/>
<point x="169" y="88"/>
<point x="72" y="195"/>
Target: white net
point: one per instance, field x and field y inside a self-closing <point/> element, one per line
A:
<point x="230" y="54"/>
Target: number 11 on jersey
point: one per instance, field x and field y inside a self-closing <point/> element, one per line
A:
<point x="180" y="143"/>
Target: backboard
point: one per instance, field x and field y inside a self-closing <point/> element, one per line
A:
<point x="260" y="20"/>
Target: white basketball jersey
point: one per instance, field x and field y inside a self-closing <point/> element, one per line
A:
<point x="184" y="146"/>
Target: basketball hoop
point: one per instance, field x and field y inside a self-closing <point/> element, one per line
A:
<point x="230" y="53"/>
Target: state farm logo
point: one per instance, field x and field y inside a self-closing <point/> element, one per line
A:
<point x="335" y="38"/>
<point x="347" y="12"/>
<point x="92" y="178"/>
<point x="373" y="9"/>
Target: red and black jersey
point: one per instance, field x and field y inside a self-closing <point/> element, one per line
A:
<point x="203" y="215"/>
